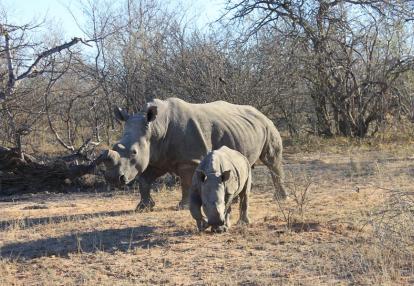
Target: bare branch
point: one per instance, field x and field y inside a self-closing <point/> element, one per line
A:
<point x="11" y="79"/>
<point x="50" y="52"/>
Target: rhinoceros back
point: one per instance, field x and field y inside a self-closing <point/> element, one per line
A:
<point x="195" y="129"/>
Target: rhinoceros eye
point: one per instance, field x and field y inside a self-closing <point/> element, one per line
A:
<point x="134" y="152"/>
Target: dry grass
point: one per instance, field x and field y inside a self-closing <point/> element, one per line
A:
<point x="353" y="225"/>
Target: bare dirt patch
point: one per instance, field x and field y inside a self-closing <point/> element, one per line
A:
<point x="334" y="237"/>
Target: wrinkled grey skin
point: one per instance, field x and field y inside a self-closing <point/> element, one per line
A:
<point x="174" y="136"/>
<point x="130" y="156"/>
<point x="221" y="176"/>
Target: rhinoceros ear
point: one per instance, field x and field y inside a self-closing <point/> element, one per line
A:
<point x="225" y="176"/>
<point x="120" y="114"/>
<point x="152" y="112"/>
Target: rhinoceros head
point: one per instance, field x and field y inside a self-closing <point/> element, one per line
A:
<point x="213" y="195"/>
<point x="130" y="156"/>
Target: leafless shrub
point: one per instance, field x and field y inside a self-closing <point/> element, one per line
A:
<point x="393" y="226"/>
<point x="384" y="248"/>
<point x="299" y="191"/>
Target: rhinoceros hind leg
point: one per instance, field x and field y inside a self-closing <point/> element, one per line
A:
<point x="184" y="204"/>
<point x="185" y="172"/>
<point x="273" y="160"/>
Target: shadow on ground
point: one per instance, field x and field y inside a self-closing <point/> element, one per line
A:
<point x="30" y="222"/>
<point x="109" y="241"/>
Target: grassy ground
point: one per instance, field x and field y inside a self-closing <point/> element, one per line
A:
<point x="348" y="221"/>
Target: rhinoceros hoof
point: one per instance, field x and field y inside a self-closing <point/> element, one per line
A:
<point x="145" y="206"/>
<point x="219" y="229"/>
<point x="243" y="221"/>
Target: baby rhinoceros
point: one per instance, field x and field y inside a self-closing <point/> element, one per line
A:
<point x="221" y="176"/>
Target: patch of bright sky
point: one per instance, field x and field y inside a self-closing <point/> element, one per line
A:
<point x="56" y="11"/>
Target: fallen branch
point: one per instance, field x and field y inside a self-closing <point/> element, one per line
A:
<point x="20" y="174"/>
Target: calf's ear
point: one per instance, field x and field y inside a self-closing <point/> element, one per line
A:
<point x="152" y="112"/>
<point x="225" y="176"/>
<point x="120" y="114"/>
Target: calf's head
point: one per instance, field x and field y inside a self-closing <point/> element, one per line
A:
<point x="130" y="156"/>
<point x="213" y="195"/>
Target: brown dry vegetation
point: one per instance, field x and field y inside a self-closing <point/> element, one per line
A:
<point x="356" y="228"/>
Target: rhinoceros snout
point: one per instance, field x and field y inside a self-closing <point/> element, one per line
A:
<point x="217" y="220"/>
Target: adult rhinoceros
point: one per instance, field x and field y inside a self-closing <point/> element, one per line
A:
<point x="173" y="136"/>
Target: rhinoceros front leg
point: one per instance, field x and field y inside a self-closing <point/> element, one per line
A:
<point x="195" y="210"/>
<point x="145" y="181"/>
